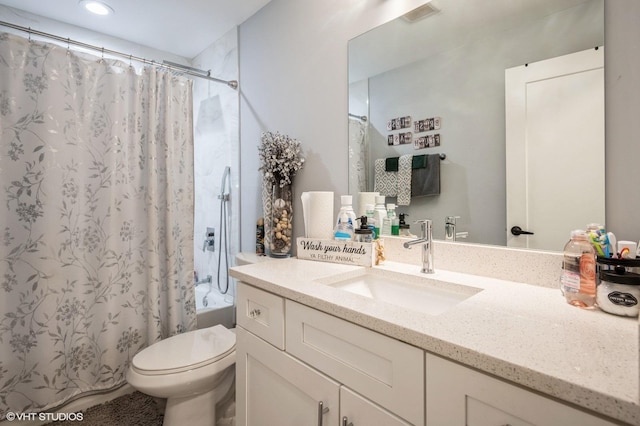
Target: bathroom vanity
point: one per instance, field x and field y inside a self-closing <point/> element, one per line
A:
<point x="328" y="344"/>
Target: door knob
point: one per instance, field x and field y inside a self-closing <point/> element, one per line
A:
<point x="516" y="230"/>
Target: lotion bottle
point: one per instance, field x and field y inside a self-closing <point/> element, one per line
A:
<point x="379" y="214"/>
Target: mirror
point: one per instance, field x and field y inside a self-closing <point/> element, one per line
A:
<point x="451" y="64"/>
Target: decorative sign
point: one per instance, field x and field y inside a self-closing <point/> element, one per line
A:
<point x="399" y="138"/>
<point x="346" y="252"/>
<point x="427" y="124"/>
<point x="428" y="141"/>
<point x="399" y="123"/>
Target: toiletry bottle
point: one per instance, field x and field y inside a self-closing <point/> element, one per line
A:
<point x="379" y="213"/>
<point x="363" y="234"/>
<point x="344" y="229"/>
<point x="391" y="220"/>
<point x="347" y="208"/>
<point x="578" y="278"/>
<point x="395" y="222"/>
<point x="371" y="221"/>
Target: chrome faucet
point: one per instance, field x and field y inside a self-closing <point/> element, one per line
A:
<point x="426" y="239"/>
<point x="450" y="233"/>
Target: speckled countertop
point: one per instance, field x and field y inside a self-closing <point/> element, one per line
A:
<point x="523" y="333"/>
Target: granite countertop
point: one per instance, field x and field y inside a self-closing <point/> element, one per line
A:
<point x="523" y="333"/>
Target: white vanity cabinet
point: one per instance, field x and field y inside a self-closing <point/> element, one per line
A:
<point x="356" y="410"/>
<point x="457" y="395"/>
<point x="273" y="388"/>
<point x="331" y="372"/>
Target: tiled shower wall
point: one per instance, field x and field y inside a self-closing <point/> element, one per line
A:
<point x="217" y="145"/>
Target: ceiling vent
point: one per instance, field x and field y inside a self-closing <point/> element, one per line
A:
<point x="420" y="12"/>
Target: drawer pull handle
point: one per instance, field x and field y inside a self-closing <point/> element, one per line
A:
<point x="345" y="422"/>
<point x="322" y="410"/>
<point x="254" y="313"/>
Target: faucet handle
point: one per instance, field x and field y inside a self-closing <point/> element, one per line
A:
<point x="451" y="219"/>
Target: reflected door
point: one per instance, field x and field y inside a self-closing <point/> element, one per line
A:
<point x="555" y="148"/>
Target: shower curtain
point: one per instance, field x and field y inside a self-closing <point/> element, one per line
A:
<point x="96" y="219"/>
<point x="358" y="157"/>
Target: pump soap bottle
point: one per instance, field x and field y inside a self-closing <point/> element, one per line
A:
<point x="363" y="234"/>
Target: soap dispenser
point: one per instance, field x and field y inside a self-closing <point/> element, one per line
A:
<point x="404" y="227"/>
<point x="363" y="234"/>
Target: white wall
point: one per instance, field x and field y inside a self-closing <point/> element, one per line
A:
<point x="293" y="75"/>
<point x="293" y="79"/>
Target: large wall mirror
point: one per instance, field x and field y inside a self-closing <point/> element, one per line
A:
<point x="459" y="63"/>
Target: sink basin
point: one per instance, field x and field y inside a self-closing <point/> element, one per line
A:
<point x="421" y="294"/>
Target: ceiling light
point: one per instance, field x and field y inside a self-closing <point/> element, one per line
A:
<point x="97" y="7"/>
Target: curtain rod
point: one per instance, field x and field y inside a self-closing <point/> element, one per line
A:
<point x="359" y="117"/>
<point x="165" y="64"/>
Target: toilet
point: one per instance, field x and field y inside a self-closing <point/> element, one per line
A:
<point x="192" y="370"/>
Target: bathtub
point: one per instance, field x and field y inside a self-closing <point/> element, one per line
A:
<point x="220" y="309"/>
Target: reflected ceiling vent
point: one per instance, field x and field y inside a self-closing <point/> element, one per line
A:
<point x="420" y="12"/>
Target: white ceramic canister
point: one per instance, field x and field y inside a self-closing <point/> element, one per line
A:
<point x="619" y="293"/>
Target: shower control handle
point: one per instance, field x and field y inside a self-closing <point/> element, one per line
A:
<point x="210" y="240"/>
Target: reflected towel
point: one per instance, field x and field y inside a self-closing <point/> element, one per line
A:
<point x="426" y="181"/>
<point x="419" y="161"/>
<point x="404" y="180"/>
<point x="391" y="164"/>
<point x="386" y="183"/>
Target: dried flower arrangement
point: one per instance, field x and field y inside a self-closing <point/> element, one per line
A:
<point x="280" y="158"/>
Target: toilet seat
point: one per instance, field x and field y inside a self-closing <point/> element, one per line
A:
<point x="186" y="351"/>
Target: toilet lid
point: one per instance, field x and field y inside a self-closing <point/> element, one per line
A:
<point x="185" y="351"/>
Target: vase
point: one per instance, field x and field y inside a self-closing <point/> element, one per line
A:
<point x="278" y="224"/>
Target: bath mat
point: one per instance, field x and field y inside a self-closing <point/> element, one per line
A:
<point x="135" y="409"/>
<point x="138" y="409"/>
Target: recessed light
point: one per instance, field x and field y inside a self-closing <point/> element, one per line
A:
<point x="97" y="7"/>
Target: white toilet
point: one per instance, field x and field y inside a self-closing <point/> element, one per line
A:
<point x="193" y="370"/>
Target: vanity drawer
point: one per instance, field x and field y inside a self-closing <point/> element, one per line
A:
<point x="382" y="369"/>
<point x="261" y="313"/>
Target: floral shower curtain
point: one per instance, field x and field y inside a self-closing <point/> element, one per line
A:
<point x="96" y="211"/>
<point x="358" y="157"/>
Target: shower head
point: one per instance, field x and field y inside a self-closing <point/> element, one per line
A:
<point x="225" y="185"/>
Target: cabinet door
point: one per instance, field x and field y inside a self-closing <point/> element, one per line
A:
<point x="382" y="369"/>
<point x="358" y="411"/>
<point x="273" y="388"/>
<point x="460" y="396"/>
